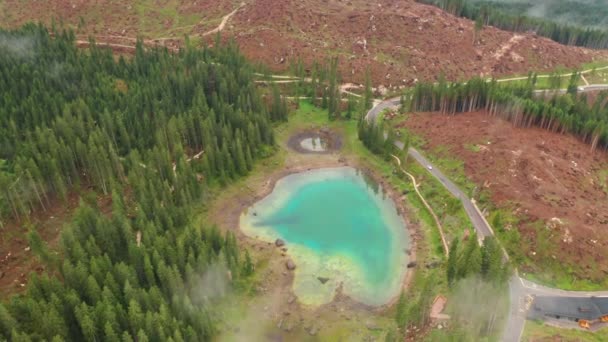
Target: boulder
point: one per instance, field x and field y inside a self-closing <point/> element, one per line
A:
<point x="323" y="280"/>
<point x="279" y="243"/>
<point x="290" y="265"/>
<point x="412" y="264"/>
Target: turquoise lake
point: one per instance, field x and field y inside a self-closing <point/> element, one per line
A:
<point x="337" y="224"/>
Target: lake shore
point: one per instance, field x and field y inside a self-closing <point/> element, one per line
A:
<point x="227" y="211"/>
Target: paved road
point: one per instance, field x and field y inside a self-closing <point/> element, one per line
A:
<point x="581" y="89"/>
<point x="520" y="290"/>
<point x="522" y="78"/>
<point x="478" y="222"/>
<point x="593" y="87"/>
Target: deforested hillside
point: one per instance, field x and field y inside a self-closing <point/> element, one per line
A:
<point x="400" y="41"/>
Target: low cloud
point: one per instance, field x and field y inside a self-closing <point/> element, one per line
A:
<point x="22" y="47"/>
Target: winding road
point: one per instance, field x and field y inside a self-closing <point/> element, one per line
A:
<point x="520" y="290"/>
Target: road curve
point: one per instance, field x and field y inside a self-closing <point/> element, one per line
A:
<point x="519" y="289"/>
<point x="478" y="222"/>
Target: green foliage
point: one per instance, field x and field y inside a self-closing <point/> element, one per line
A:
<point x="415" y="310"/>
<point x="325" y="82"/>
<point x="70" y="118"/>
<point x="478" y="309"/>
<point x="278" y="110"/>
<point x="573" y="84"/>
<point x="164" y="125"/>
<point x="248" y="267"/>
<point x="401" y="312"/>
<point x="498" y="15"/>
<point x="452" y="266"/>
<point x="391" y="336"/>
<point x="497" y="221"/>
<point x="470" y="260"/>
<point x="581" y="13"/>
<point x="372" y="136"/>
<point x="563" y="114"/>
<point x="368" y="99"/>
<point x="352" y="107"/>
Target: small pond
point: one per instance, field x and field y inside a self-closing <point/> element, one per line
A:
<point x="314" y="144"/>
<point x="340" y="229"/>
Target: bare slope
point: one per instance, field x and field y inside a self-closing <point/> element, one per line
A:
<point x="552" y="182"/>
<point x="400" y="41"/>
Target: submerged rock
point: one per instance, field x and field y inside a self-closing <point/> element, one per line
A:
<point x="323" y="280"/>
<point x="279" y="243"/>
<point x="290" y="265"/>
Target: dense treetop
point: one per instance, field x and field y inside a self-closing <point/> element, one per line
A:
<point x="160" y="127"/>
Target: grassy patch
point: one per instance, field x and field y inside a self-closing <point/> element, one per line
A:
<point x="537" y="331"/>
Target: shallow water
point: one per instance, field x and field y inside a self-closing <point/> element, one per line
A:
<point x="337" y="224"/>
<point x="316" y="144"/>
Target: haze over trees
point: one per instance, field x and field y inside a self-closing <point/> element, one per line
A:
<point x="582" y="13"/>
<point x="153" y="132"/>
<point x="503" y="18"/>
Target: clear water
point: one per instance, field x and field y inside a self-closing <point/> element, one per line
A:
<point x="337" y="224"/>
<point x="314" y="144"/>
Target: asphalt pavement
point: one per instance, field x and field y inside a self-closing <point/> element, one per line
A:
<point x="520" y="290"/>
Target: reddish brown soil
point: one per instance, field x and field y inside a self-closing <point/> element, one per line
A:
<point x="553" y="182"/>
<point x="399" y="40"/>
<point x="17" y="260"/>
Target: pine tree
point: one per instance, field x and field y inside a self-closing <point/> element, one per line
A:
<point x="368" y="95"/>
<point x="452" y="265"/>
<point x="247" y="265"/>
<point x="477" y="29"/>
